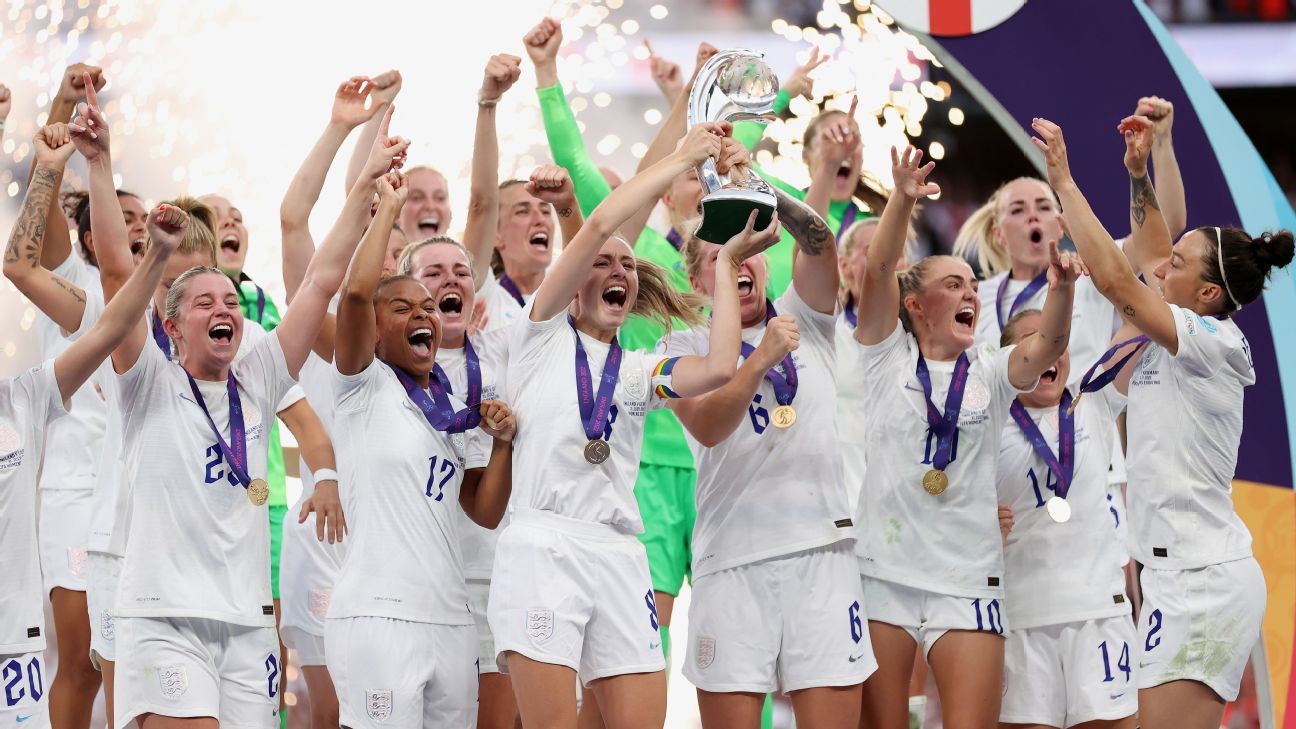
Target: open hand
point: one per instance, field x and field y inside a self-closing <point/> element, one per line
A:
<point x="74" y="84"/>
<point x="351" y="106"/>
<point x="497" y="420"/>
<point x="1053" y="145"/>
<point x="799" y="82"/>
<point x="53" y="146"/>
<point x="553" y="185"/>
<point x="166" y="226"/>
<point x="911" y="179"/>
<point x="749" y="241"/>
<point x="325" y="503"/>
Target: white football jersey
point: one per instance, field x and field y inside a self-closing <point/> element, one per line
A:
<point x="1185" y="426"/>
<point x="949" y="543"/>
<point x="29" y="402"/>
<point x="76" y="440"/>
<point x="767" y="491"/>
<point x="196" y="547"/>
<point x="491" y="347"/>
<point x="502" y="310"/>
<point x="1060" y="573"/>
<point x="549" y="469"/>
<point x="852" y="411"/>
<point x="402" y="559"/>
<point x="1092" y="323"/>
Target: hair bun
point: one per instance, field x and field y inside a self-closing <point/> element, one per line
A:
<point x="1274" y="250"/>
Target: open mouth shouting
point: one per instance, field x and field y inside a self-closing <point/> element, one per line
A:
<point x="965" y="317"/>
<point x="1050" y="375"/>
<point x="429" y="225"/>
<point x="451" y="304"/>
<point x="844" y="173"/>
<point x="230" y="244"/>
<point x="615" y="297"/>
<point x="420" y="341"/>
<point x="1036" y="236"/>
<point x="539" y="240"/>
<point x="745" y="286"/>
<point x="222" y="333"/>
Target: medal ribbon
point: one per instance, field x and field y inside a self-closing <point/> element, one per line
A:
<point x="438" y="410"/>
<point x="594" y="409"/>
<point x="1031" y="289"/>
<point x="473" y="365"/>
<point x="944" y="426"/>
<point x="785" y="382"/>
<point x="675" y="239"/>
<point x="160" y="336"/>
<point x="848" y="309"/>
<point x="234" y="452"/>
<point x="1090" y="383"/>
<point x="512" y="289"/>
<point x="1063" y="464"/>
<point x="848" y="219"/>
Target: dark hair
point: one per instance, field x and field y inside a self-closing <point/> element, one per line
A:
<point x="76" y="206"/>
<point x="1009" y="333"/>
<point x="1248" y="262"/>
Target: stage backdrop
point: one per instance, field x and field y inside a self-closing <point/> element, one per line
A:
<point x="1084" y="65"/>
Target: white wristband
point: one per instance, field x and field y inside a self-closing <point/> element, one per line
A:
<point x="325" y="474"/>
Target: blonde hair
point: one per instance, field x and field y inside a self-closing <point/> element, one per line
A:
<point x="848" y="237"/>
<point x="405" y="264"/>
<point x="200" y="236"/>
<point x="658" y="300"/>
<point x="177" y="290"/>
<point x="977" y="236"/>
<point x="912" y="283"/>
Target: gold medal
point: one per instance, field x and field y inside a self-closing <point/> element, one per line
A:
<point x="597" y="451"/>
<point x="935" y="482"/>
<point x="258" y="492"/>
<point x="1071" y="408"/>
<point x="784" y="416"/>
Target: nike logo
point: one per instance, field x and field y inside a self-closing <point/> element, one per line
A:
<point x="21" y="719"/>
<point x="654" y="646"/>
<point x="1117" y="696"/>
<point x="856" y="657"/>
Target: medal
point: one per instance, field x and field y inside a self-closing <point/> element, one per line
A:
<point x="1072" y="407"/>
<point x="437" y="408"/>
<point x="935" y="482"/>
<point x="258" y="492"/>
<point x="784" y="416"/>
<point x="596" y="406"/>
<point x="943" y="425"/>
<point x="597" y="451"/>
<point x="1093" y="382"/>
<point x="1059" y="510"/>
<point x="1023" y="296"/>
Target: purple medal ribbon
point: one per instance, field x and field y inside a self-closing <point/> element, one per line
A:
<point x="848" y="309"/>
<point x="1090" y="383"/>
<point x="234" y="452"/>
<point x="944" y="427"/>
<point x="1063" y="464"/>
<point x="594" y="409"/>
<point x="785" y="382"/>
<point x="675" y="239"/>
<point x="160" y="337"/>
<point x="473" y="365"/>
<point x="438" y="410"/>
<point x="848" y="218"/>
<point x="512" y="289"/>
<point x="1025" y="295"/>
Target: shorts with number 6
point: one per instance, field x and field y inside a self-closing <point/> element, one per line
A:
<point x="1063" y="675"/>
<point x="192" y="667"/>
<point x="22" y="691"/>
<point x="576" y="594"/>
<point x="925" y="615"/>
<point x="790" y="623"/>
<point x="1200" y="625"/>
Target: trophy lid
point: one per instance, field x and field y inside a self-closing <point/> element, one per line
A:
<point x="733" y="85"/>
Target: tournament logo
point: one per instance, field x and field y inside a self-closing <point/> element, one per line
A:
<point x="378" y="704"/>
<point x="319" y="603"/>
<point x="705" y="652"/>
<point x="636" y="387"/>
<point x="173" y="680"/>
<point x="539" y="625"/>
<point x="976" y="398"/>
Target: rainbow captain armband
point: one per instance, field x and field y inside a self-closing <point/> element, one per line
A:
<point x="661" y="378"/>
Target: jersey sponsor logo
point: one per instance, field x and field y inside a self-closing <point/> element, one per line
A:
<point x="539" y="624"/>
<point x="636" y="387"/>
<point x="706" y="648"/>
<point x="378" y="704"/>
<point x="173" y="680"/>
<point x="319" y="603"/>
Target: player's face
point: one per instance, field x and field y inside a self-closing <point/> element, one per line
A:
<point x="231" y="235"/>
<point x="610" y="289"/>
<point x="945" y="312"/>
<point x="1051" y="384"/>
<point x="753" y="277"/>
<point x="396" y="243"/>
<point x="849" y="171"/>
<point x="427" y="209"/>
<point x="684" y="196"/>
<point x="1027" y="220"/>
<point x="408" y="328"/>
<point x="526" y="230"/>
<point x="177" y="264"/>
<point x="853" y="264"/>
<point x="1180" y="275"/>
<point x="210" y="322"/>
<point x="136" y="219"/>
<point x="445" y="272"/>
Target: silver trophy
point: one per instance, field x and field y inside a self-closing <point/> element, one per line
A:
<point x="733" y="86"/>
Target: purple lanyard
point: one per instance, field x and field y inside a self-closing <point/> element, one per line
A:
<point x="594" y="409"/>
<point x="160" y="336"/>
<point x="473" y="365"/>
<point x="234" y="452"/>
<point x="945" y="427"/>
<point x="1025" y="295"/>
<point x="1063" y="464"/>
<point x="848" y="218"/>
<point x="440" y="413"/>
<point x="785" y="382"/>
<point x="512" y="289"/>
<point x="674" y="238"/>
<point x="1090" y="383"/>
<point x="849" y="310"/>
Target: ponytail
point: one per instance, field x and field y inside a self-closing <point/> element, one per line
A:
<point x="1240" y="265"/>
<point x="658" y="299"/>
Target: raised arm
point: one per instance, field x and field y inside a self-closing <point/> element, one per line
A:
<point x="357" y="325"/>
<point x="879" y="305"/>
<point x="317" y="451"/>
<point x="1149" y="240"/>
<point x="78" y="80"/>
<point x="837" y="143"/>
<point x="90" y="133"/>
<point x="166" y="227"/>
<point x="350" y="109"/>
<point x="6" y="104"/>
<point x="552" y="184"/>
<point x="814" y="271"/>
<point x="1106" y="263"/>
<point x="1169" y="179"/>
<point x="57" y="297"/>
<point x="1038" y="352"/>
<point x="386" y="86"/>
<point x="502" y="70"/>
<point x="569" y="272"/>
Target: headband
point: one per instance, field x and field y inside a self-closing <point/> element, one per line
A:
<point x="1219" y="254"/>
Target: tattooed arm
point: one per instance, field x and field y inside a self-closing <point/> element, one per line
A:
<point x="59" y="299"/>
<point x="1149" y="241"/>
<point x="814" y="271"/>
